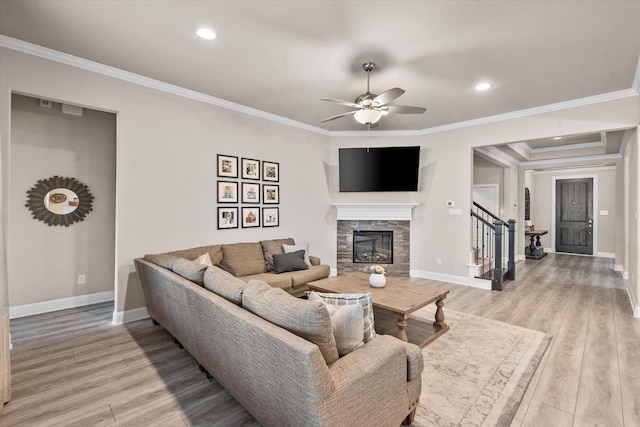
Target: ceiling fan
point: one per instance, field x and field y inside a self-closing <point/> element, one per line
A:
<point x="371" y="107"/>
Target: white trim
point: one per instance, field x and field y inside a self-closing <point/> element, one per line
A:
<point x="568" y="147"/>
<point x="618" y="267"/>
<point x="138" y="79"/>
<point x="74" y="61"/>
<point x="374" y="211"/>
<point x="59" y="304"/>
<point x="606" y="255"/>
<point x="591" y="169"/>
<point x="552" y="232"/>
<point x="127" y="316"/>
<point x="449" y="278"/>
<point x="568" y="160"/>
<point x="635" y="307"/>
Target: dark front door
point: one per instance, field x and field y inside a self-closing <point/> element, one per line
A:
<point x="574" y="216"/>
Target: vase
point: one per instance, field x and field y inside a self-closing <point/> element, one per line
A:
<point x="377" y="280"/>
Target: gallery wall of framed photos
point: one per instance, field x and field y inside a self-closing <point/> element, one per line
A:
<point x="247" y="192"/>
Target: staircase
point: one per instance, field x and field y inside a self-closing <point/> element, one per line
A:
<point x="493" y="247"/>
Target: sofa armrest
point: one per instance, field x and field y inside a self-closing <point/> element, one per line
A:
<point x="371" y="384"/>
<point x="314" y="260"/>
<point x="415" y="362"/>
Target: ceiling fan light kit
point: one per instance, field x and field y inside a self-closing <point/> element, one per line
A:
<point x="371" y="107"/>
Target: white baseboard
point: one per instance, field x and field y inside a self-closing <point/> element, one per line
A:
<point x="59" y="304"/>
<point x="606" y="255"/>
<point x="634" y="304"/>
<point x="459" y="280"/>
<point x="618" y="267"/>
<point x="127" y="316"/>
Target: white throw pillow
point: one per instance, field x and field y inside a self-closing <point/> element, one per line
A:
<point x="364" y="300"/>
<point x="204" y="259"/>
<point x="298" y="247"/>
<point x="348" y="327"/>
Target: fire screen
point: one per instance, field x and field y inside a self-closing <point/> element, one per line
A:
<point x="373" y="247"/>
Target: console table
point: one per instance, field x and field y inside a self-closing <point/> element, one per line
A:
<point x="535" y="251"/>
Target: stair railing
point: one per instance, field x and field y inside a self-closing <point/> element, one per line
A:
<point x="491" y="243"/>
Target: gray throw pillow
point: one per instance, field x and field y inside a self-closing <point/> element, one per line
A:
<point x="224" y="284"/>
<point x="293" y="261"/>
<point x="272" y="247"/>
<point x="190" y="270"/>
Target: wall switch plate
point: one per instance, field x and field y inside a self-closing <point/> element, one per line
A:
<point x="604" y="212"/>
<point x="81" y="279"/>
<point x="455" y="212"/>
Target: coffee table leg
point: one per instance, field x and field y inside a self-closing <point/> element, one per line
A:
<point x="402" y="329"/>
<point x="439" y="315"/>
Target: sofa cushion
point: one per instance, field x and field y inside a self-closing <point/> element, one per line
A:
<point x="304" y="246"/>
<point x="215" y="252"/>
<point x="224" y="284"/>
<point x="289" y="262"/>
<point x="163" y="260"/>
<point x="271" y="247"/>
<point x="302" y="277"/>
<point x="307" y="319"/>
<point x="226" y="267"/>
<point x="190" y="270"/>
<point x="345" y="299"/>
<point x="347" y="323"/>
<point x="244" y="258"/>
<point x="272" y="279"/>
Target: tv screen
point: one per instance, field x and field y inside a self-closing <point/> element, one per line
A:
<point x="378" y="169"/>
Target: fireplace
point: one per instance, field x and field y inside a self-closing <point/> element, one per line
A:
<point x="373" y="246"/>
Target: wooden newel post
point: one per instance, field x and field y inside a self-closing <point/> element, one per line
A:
<point x="512" y="250"/>
<point x="496" y="283"/>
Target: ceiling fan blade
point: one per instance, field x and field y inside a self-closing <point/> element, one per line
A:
<point x="339" y="115"/>
<point x="403" y="109"/>
<point x="387" y="96"/>
<point x="341" y="102"/>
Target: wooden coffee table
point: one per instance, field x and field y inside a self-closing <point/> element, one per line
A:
<point x="393" y="304"/>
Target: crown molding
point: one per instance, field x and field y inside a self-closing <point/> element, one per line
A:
<point x="85" y="64"/>
<point x="569" y="160"/>
<point x="96" y="67"/>
<point x="497" y="155"/>
<point x="579" y="146"/>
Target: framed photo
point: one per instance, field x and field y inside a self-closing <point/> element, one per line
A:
<point x="270" y="217"/>
<point x="270" y="194"/>
<point x="250" y="192"/>
<point x="250" y="217"/>
<point x="227" y="217"/>
<point x="227" y="166"/>
<point x="270" y="171"/>
<point x="227" y="192"/>
<point x="250" y="169"/>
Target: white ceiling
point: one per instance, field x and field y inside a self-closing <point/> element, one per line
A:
<point x="281" y="57"/>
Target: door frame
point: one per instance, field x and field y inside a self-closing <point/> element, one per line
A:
<point x="595" y="210"/>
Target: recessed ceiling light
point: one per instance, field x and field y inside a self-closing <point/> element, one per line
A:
<point x="206" y="33"/>
<point x="558" y="137"/>
<point x="483" y="86"/>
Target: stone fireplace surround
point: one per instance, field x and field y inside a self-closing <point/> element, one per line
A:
<point x="394" y="217"/>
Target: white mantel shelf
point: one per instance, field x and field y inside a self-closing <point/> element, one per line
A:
<point x="374" y="211"/>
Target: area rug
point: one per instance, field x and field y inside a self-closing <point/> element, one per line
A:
<point x="476" y="374"/>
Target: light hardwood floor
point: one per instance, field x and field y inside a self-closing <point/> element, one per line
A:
<point x="74" y="368"/>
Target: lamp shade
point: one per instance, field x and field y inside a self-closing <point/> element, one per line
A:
<point x="367" y="116"/>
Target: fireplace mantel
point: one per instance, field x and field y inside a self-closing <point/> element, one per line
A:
<point x="374" y="211"/>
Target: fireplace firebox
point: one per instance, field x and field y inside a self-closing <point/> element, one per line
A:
<point x="373" y="246"/>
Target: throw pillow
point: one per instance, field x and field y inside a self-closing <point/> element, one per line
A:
<point x="347" y="323"/>
<point x="307" y="319"/>
<point x="190" y="270"/>
<point x="224" y="284"/>
<point x="289" y="262"/>
<point x="363" y="300"/>
<point x="271" y="247"/>
<point x="204" y="259"/>
<point x="163" y="260"/>
<point x="300" y="246"/>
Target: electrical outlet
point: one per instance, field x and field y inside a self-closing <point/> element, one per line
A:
<point x="81" y="279"/>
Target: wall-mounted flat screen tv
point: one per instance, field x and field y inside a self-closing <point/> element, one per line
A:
<point x="378" y="169"/>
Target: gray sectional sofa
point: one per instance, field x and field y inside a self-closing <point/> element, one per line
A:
<point x="275" y="353"/>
